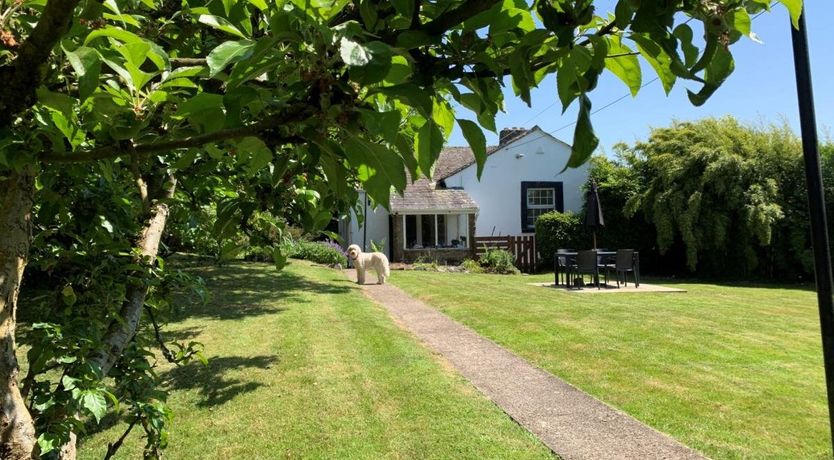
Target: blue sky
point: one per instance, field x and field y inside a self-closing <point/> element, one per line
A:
<point x="762" y="89"/>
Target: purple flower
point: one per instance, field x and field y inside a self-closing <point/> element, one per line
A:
<point x="336" y="246"/>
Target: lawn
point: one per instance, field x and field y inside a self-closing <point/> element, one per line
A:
<point x="733" y="371"/>
<point x="302" y="365"/>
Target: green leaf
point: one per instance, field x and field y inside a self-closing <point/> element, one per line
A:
<point x="624" y="65"/>
<point x="255" y="153"/>
<point x="510" y="17"/>
<point x="369" y="62"/>
<point x="404" y="7"/>
<point x="570" y="78"/>
<point x="400" y="70"/>
<point x="383" y="124"/>
<point x="377" y="168"/>
<point x="227" y="53"/>
<point x="428" y="143"/>
<point x="354" y="54"/>
<point x="585" y="140"/>
<point x="86" y="64"/>
<point x="58" y="102"/>
<point x="278" y="258"/>
<point x="690" y="52"/>
<point x="113" y="32"/>
<point x="719" y="68"/>
<point x="623" y="13"/>
<point x="411" y="94"/>
<point x="520" y="71"/>
<point x="657" y="58"/>
<point x="220" y="24"/>
<point x="477" y="142"/>
<point x="739" y="20"/>
<point x="444" y="116"/>
<point x="68" y="295"/>
<point x="205" y="110"/>
<point x="94" y="402"/>
<point x="795" y="9"/>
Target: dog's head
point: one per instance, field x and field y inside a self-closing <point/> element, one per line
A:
<point x="354" y="251"/>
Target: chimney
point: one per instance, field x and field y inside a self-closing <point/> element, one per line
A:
<point x="507" y="135"/>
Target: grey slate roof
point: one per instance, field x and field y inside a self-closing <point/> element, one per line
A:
<point x="426" y="196"/>
<point x="453" y="160"/>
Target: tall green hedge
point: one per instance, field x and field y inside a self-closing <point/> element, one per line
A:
<point x="714" y="198"/>
<point x="556" y="230"/>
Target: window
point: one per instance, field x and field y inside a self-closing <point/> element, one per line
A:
<point x="538" y="198"/>
<point x="452" y="231"/>
<point x="539" y="201"/>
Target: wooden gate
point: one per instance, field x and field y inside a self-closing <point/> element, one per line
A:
<point x="523" y="247"/>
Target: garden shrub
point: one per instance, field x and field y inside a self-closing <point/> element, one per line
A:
<point x="557" y="230"/>
<point x="498" y="261"/>
<point x="472" y="266"/>
<point x="322" y="252"/>
<point x="426" y="264"/>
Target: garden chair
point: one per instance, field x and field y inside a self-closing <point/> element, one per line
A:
<point x="623" y="264"/>
<point x="587" y="262"/>
<point x="562" y="265"/>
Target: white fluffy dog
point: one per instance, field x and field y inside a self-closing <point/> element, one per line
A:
<point x="363" y="261"/>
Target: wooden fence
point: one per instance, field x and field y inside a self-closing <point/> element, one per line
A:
<point x="523" y="248"/>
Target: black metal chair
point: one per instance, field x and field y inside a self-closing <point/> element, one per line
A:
<point x="623" y="264"/>
<point x="562" y="265"/>
<point x="587" y="262"/>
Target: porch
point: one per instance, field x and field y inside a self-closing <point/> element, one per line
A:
<point x="445" y="236"/>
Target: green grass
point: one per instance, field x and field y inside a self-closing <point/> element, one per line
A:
<point x="733" y="371"/>
<point x="302" y="365"/>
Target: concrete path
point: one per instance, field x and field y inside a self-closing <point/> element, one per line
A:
<point x="570" y="422"/>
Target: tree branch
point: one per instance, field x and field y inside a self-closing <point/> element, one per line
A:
<point x="111" y="151"/>
<point x="457" y="16"/>
<point x="186" y="62"/>
<point x="23" y="76"/>
<point x="114" y="447"/>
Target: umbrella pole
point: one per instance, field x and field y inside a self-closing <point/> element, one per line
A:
<point x="595" y="239"/>
<point x="816" y="205"/>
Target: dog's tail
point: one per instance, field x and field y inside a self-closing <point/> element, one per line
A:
<point x="387" y="269"/>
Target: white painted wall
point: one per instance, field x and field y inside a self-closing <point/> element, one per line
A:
<point x="377" y="222"/>
<point x="534" y="157"/>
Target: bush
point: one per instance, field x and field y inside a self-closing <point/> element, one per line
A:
<point x="322" y="252"/>
<point x="472" y="266"/>
<point x="556" y="230"/>
<point x="498" y="261"/>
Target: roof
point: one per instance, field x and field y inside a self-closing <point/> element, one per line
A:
<point x="424" y="196"/>
<point x="453" y="160"/>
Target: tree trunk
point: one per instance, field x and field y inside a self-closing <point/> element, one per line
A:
<point x="17" y="431"/>
<point x="120" y="333"/>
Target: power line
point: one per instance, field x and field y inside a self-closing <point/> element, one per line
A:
<point x="615" y="101"/>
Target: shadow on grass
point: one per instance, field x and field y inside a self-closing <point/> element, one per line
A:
<point x="244" y="289"/>
<point x="214" y="386"/>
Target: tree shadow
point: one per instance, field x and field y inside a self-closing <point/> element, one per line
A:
<point x="240" y="290"/>
<point x="187" y="333"/>
<point x="757" y="284"/>
<point x="210" y="380"/>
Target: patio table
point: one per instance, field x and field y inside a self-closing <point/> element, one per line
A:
<point x="601" y="255"/>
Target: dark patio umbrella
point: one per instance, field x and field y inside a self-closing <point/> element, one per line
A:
<point x="593" y="211"/>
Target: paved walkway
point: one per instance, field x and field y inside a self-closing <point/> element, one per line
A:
<point x="570" y="422"/>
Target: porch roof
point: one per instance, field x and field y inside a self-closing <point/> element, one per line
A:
<point x="423" y="197"/>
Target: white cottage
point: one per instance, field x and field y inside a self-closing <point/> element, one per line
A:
<point x="522" y="179"/>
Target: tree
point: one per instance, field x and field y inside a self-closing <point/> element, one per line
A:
<point x="347" y="89"/>
<point x="732" y="194"/>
